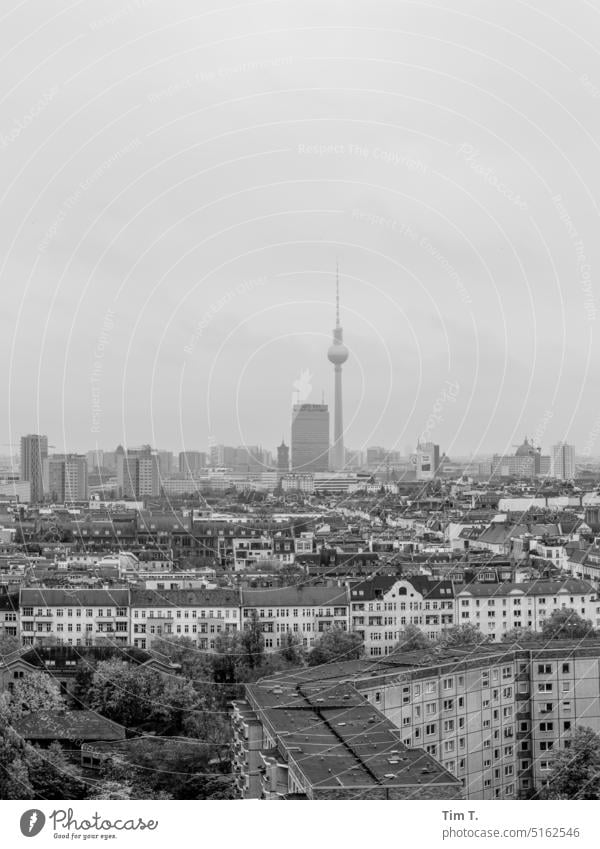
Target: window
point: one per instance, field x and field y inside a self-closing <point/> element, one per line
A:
<point x="546" y="726"/>
<point x="448" y="725"/>
<point x="566" y="668"/>
<point x="546" y="745"/>
<point x="545" y="687"/>
<point x="430" y="729"/>
<point x="430" y="709"/>
<point x="448" y="683"/>
<point x="544" y="668"/>
<point x="448" y="704"/>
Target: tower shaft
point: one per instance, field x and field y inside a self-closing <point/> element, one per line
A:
<point x="338" y="452"/>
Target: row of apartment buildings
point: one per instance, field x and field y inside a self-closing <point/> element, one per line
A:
<point x="378" y="609"/>
<point x="493" y="718"/>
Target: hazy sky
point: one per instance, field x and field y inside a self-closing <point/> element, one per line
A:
<point x="179" y="178"/>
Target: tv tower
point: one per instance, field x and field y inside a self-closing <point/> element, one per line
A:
<point x="338" y="354"/>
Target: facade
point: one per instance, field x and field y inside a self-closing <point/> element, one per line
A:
<point x="66" y="478"/>
<point x="191" y="463"/>
<point x="493" y="717"/>
<point x="304" y="612"/>
<point x="74" y="617"/>
<point x="200" y="615"/>
<point x="563" y="461"/>
<point x="310" y="438"/>
<point x="283" y="458"/>
<point x="34" y="451"/>
<point x="138" y="474"/>
<point x="382" y="607"/>
<point x="426" y="461"/>
<point x="498" y="608"/>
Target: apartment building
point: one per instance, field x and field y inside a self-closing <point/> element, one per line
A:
<point x="498" y="608"/>
<point x="200" y="615"/>
<point x="492" y="717"/>
<point x="306" y="612"/>
<point x="294" y="739"/>
<point x="383" y="606"/>
<point x="74" y="617"/>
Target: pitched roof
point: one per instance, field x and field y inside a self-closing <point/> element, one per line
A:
<point x="570" y="586"/>
<point x="184" y="598"/>
<point x="295" y="597"/>
<point x="44" y="597"/>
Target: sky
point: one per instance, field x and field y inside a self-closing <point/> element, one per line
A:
<point x="179" y="180"/>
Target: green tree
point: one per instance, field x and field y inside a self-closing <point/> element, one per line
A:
<point x="575" y="772"/>
<point x="336" y="645"/>
<point x="412" y="638"/>
<point x="567" y="624"/>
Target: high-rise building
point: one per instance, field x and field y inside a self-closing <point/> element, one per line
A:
<point x="66" y="478"/>
<point x="338" y="354"/>
<point x="191" y="463"/>
<point x="563" y="461"/>
<point x="95" y="459"/>
<point x="310" y="438"/>
<point x="426" y="460"/>
<point x="222" y="456"/>
<point x="34" y="451"/>
<point x="165" y="463"/>
<point x="138" y="473"/>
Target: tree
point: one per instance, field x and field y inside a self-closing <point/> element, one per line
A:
<point x="519" y="635"/>
<point x="182" y="650"/>
<point x="336" y="645"/>
<point x="8" y="645"/>
<point x="292" y="650"/>
<point x="412" y="638"/>
<point x="575" y="770"/>
<point x="567" y="624"/>
<point x="52" y="775"/>
<point x="127" y="695"/>
<point x="253" y="643"/>
<point x="35" y="691"/>
<point x="461" y="636"/>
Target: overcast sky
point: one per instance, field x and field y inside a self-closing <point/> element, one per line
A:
<point x="179" y="179"/>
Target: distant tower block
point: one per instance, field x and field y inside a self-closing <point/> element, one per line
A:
<point x="338" y="354"/>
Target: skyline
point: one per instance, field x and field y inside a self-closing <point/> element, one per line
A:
<point x="171" y="220"/>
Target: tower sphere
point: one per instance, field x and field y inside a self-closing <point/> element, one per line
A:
<point x="338" y="354"/>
